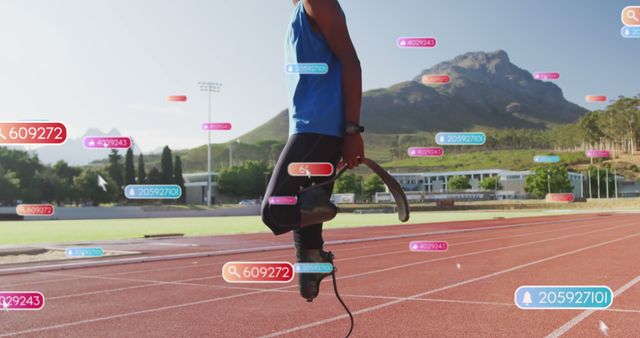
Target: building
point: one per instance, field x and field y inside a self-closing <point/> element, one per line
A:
<point x="195" y="186"/>
<point x="512" y="182"/>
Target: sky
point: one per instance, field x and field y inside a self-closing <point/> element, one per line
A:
<point x="111" y="63"/>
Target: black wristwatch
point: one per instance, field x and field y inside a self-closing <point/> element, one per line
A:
<point x="351" y="128"/>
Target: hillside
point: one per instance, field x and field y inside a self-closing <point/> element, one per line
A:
<point x="486" y="91"/>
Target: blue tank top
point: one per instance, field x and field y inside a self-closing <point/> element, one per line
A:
<point x="315" y="100"/>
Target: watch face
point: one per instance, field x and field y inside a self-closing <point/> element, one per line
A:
<point x="352" y="128"/>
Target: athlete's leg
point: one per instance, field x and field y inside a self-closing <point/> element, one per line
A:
<point x="305" y="147"/>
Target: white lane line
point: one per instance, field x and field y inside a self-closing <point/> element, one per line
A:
<point x="149" y="283"/>
<point x="577" y="319"/>
<point x="497" y="273"/>
<point x="122" y="315"/>
<point x="621" y="310"/>
<point x="146" y="259"/>
<point x="179" y="267"/>
<point x="282" y="256"/>
<point x="159" y="283"/>
<point x="176" y="306"/>
<point x="471" y="242"/>
<point x="395" y="267"/>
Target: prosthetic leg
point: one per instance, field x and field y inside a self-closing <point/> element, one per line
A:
<point x="315" y="206"/>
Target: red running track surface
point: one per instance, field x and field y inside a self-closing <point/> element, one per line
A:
<point x="466" y="291"/>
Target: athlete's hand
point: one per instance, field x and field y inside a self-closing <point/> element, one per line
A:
<point x="352" y="150"/>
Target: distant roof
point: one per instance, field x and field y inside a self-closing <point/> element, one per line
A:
<point x="463" y="172"/>
<point x="197" y="177"/>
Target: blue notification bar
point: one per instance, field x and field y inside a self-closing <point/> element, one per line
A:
<point x="630" y="32"/>
<point x="546" y="158"/>
<point x="307" y="68"/>
<point x="312" y="267"/>
<point x="558" y="297"/>
<point x="84" y="252"/>
<point x="152" y="191"/>
<point x="478" y="138"/>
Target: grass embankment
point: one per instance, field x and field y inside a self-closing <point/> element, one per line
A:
<point x="55" y="231"/>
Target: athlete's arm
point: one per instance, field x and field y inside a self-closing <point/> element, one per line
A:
<point x="333" y="26"/>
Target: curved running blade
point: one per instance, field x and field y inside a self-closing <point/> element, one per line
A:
<point x="394" y="187"/>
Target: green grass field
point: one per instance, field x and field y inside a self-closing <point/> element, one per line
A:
<point x="498" y="159"/>
<point x="30" y="232"/>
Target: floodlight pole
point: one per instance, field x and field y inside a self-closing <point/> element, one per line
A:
<point x="589" y="173"/>
<point x="598" y="174"/>
<point x="209" y="87"/>
<point x="607" y="175"/>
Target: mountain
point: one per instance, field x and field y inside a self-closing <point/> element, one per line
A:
<point x="486" y="91"/>
<point x="74" y="153"/>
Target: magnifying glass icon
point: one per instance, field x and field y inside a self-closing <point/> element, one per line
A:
<point x="632" y="15"/>
<point x="234" y="271"/>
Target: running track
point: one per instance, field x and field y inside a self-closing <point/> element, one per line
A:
<point x="464" y="292"/>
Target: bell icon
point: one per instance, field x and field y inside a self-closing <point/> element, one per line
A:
<point x="626" y="31"/>
<point x="526" y="298"/>
<point x="132" y="192"/>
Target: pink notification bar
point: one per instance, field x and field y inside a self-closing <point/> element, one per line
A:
<point x="598" y="153"/>
<point x="21" y="300"/>
<point x="109" y="142"/>
<point x="407" y="42"/>
<point x="429" y="246"/>
<point x="546" y="76"/>
<point x="217" y="126"/>
<point x="425" y="151"/>
<point x="283" y="200"/>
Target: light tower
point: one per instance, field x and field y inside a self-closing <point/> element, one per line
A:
<point x="209" y="87"/>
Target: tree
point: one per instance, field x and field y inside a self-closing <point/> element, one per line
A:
<point x="372" y="185"/>
<point x="87" y="189"/>
<point x="246" y="180"/>
<point x="589" y="123"/>
<point x="592" y="172"/>
<point x="142" y="175"/>
<point x="154" y="176"/>
<point x="66" y="173"/>
<point x="52" y="187"/>
<point x="21" y="170"/>
<point x="348" y="183"/>
<point x="8" y="188"/>
<point x="490" y="183"/>
<point x="459" y="183"/>
<point x="555" y="177"/>
<point x="129" y="171"/>
<point x="166" y="166"/>
<point x="115" y="170"/>
<point x="178" y="179"/>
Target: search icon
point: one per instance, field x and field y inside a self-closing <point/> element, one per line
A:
<point x="631" y="16"/>
<point x="234" y="271"/>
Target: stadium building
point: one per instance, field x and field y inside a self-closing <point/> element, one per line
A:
<point x="195" y="186"/>
<point x="435" y="183"/>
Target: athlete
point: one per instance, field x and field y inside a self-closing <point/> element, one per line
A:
<point x="324" y="117"/>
